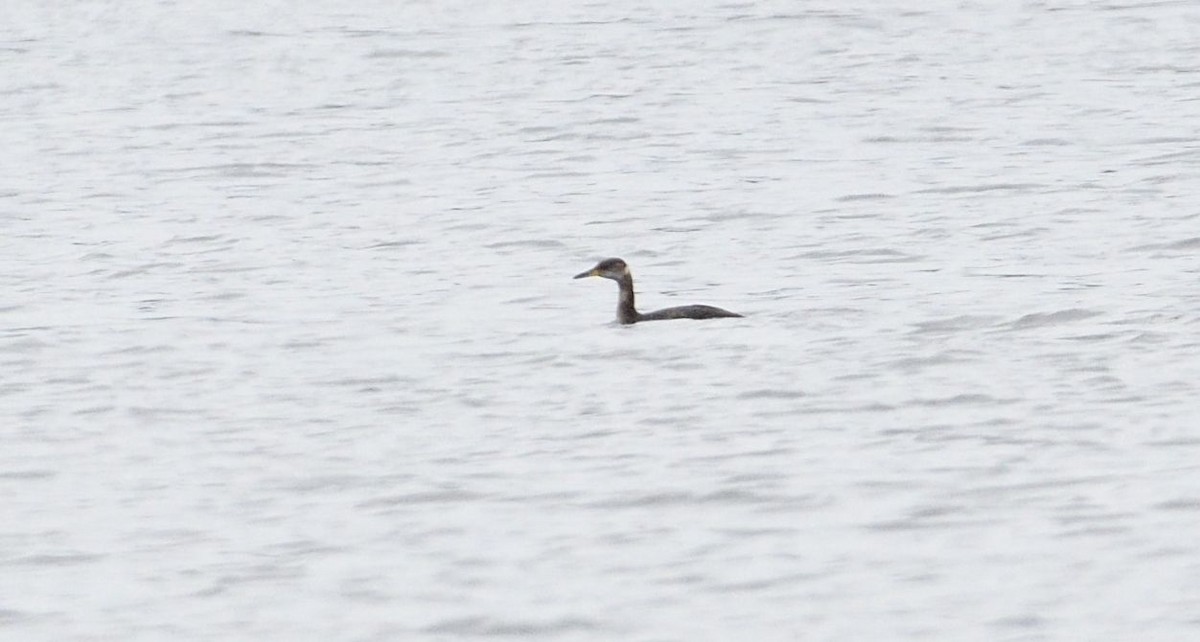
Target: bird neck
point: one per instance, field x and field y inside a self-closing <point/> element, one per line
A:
<point x="626" y="313"/>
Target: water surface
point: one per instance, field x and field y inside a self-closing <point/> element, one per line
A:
<point x="291" y="351"/>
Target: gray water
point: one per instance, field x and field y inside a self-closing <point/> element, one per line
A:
<point x="289" y="347"/>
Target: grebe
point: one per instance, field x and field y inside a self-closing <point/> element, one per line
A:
<point x="618" y="271"/>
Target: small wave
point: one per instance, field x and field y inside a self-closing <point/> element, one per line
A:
<point x="771" y="394"/>
<point x="491" y="627"/>
<point x="1042" y="319"/>
<point x="986" y="187"/>
<point x="1183" y="245"/>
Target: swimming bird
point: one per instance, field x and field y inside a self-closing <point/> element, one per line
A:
<point x="618" y="271"/>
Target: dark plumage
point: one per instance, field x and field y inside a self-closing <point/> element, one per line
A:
<point x="618" y="271"/>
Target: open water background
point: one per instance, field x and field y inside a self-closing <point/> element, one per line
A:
<point x="289" y="347"/>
